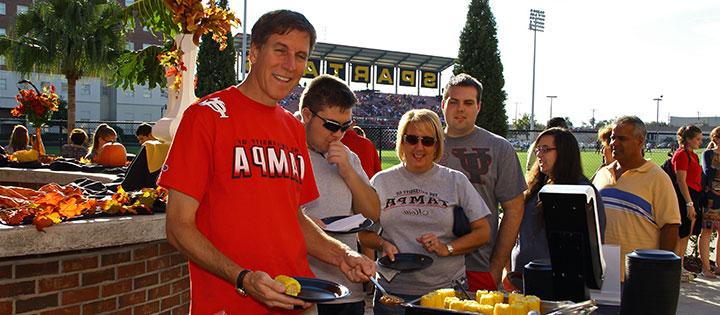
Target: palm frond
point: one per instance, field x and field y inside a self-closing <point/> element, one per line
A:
<point x="154" y="15"/>
<point x="139" y="67"/>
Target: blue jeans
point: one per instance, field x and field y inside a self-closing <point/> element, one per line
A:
<point x="382" y="309"/>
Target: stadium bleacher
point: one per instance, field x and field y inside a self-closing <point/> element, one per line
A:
<point x="374" y="106"/>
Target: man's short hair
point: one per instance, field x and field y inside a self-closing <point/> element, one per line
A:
<point x="143" y="130"/>
<point x="640" y="129"/>
<point x="327" y="91"/>
<point x="281" y="22"/>
<point x="464" y="79"/>
<point x="556" y="122"/>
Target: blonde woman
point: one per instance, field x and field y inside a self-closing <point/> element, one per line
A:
<point x="711" y="218"/>
<point x="417" y="198"/>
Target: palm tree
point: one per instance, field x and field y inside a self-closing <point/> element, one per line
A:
<point x="75" y="38"/>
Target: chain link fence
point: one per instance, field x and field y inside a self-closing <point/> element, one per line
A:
<point x="55" y="133"/>
<point x="382" y="133"/>
<point x="659" y="145"/>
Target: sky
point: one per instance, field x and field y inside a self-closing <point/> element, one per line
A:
<point x="612" y="56"/>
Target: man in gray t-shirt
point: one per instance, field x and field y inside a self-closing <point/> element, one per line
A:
<point x="326" y="111"/>
<point x="492" y="166"/>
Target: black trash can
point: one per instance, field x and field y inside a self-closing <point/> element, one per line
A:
<point x="538" y="279"/>
<point x="652" y="282"/>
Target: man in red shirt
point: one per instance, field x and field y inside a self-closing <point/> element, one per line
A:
<point x="237" y="172"/>
<point x="365" y="150"/>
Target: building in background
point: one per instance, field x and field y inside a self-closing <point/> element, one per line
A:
<point x="95" y="100"/>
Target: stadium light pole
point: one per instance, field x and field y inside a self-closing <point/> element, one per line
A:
<point x="657" y="101"/>
<point x="551" y="97"/>
<point x="537" y="24"/>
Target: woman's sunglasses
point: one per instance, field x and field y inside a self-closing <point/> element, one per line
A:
<point x="413" y="140"/>
<point x="331" y="125"/>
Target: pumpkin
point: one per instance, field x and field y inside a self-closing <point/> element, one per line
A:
<point x="112" y="154"/>
<point x="26" y="155"/>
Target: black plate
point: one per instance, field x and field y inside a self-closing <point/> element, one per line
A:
<point x="362" y="227"/>
<point x="318" y="290"/>
<point x="406" y="262"/>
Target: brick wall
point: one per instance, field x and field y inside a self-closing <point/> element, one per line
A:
<point x="146" y="278"/>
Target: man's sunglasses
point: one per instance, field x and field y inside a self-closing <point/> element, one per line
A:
<point x="413" y="140"/>
<point x="331" y="125"/>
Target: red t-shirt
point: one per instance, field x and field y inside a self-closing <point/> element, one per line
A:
<point x="694" y="171"/>
<point x="365" y="150"/>
<point x="247" y="165"/>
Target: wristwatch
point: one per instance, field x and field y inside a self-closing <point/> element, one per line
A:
<point x="690" y="204"/>
<point x="239" y="282"/>
<point x="450" y="249"/>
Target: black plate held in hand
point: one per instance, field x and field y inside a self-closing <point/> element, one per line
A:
<point x="406" y="262"/>
<point x="362" y="227"/>
<point x="318" y="290"/>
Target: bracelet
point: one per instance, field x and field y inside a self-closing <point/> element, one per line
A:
<point x="690" y="204"/>
<point x="382" y="241"/>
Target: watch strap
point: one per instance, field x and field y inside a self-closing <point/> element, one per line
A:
<point x="239" y="281"/>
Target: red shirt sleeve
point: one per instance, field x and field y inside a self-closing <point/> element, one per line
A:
<point x="309" y="190"/>
<point x="680" y="160"/>
<point x="188" y="165"/>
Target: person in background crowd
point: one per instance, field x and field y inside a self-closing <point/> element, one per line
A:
<point x="326" y="106"/>
<point x="237" y="173"/>
<point x="75" y="148"/>
<point x="711" y="218"/>
<point x="19" y="140"/>
<point x="144" y="133"/>
<point x="552" y="123"/>
<point x="641" y="210"/>
<point x="492" y="166"/>
<point x="604" y="142"/>
<point x="102" y="135"/>
<point x="418" y="198"/>
<point x="365" y="149"/>
<point x="558" y="163"/>
<point x="359" y="131"/>
<point x="686" y="165"/>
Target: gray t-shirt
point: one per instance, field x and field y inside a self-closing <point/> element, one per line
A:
<point x="335" y="199"/>
<point x="416" y="204"/>
<point x="492" y="166"/>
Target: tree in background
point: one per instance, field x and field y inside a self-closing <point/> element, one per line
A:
<point x="523" y="123"/>
<point x="479" y="57"/>
<point x="75" y="38"/>
<point x="216" y="69"/>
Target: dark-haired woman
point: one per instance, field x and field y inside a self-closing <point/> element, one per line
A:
<point x="558" y="162"/>
<point x="688" y="172"/>
<point x="711" y="217"/>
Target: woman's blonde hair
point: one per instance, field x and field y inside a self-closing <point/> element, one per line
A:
<point x="422" y="118"/>
<point x="604" y="135"/>
<point x="714" y="136"/>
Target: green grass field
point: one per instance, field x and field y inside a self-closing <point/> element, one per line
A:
<point x="590" y="160"/>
